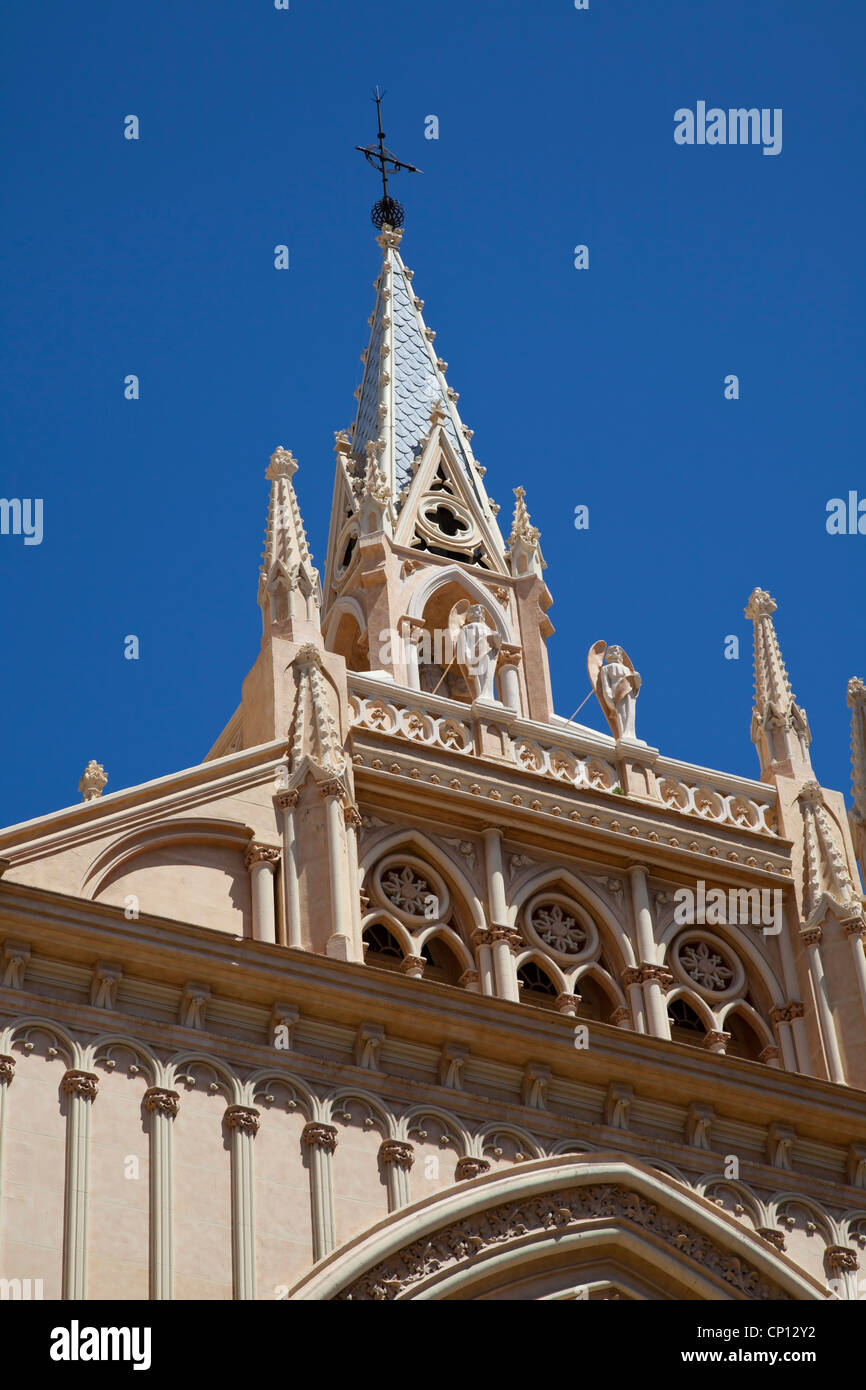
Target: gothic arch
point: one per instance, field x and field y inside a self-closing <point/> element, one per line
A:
<point x="547" y="966"/>
<point x="455" y="574"/>
<point x="695" y="1003"/>
<point x="761" y="970"/>
<point x="415" y="842"/>
<point x="542" y="1228"/>
<point x="198" y="830"/>
<point x="612" y="931"/>
<point x="605" y="981"/>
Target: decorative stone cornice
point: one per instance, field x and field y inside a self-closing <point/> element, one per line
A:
<point x="159" y="1101"/>
<point x="80" y="1083"/>
<point x="471" y="1167"/>
<point x="7" y="1067"/>
<point x="243" y="1118"/>
<point x="397" y="1152"/>
<point x="321" y="1136"/>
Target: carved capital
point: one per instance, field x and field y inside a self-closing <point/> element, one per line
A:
<point x="772" y="1236"/>
<point x="333" y="788"/>
<point x="512" y="938"/>
<point x="630" y="976"/>
<point x="786" y="1013"/>
<point x="482" y="936"/>
<point x="567" y="1004"/>
<point x="286" y="801"/>
<point x="258" y="853"/>
<point x="471" y="1168"/>
<point x="322" y="1136"/>
<point x="715" y="1041"/>
<point x="841" y="1260"/>
<point x="7" y="1068"/>
<point x="352" y="817"/>
<point x="621" y="1017"/>
<point x="812" y="937"/>
<point x="468" y="978"/>
<point x="656" y="972"/>
<point x="769" y="1054"/>
<point x="242" y="1117"/>
<point x="158" y="1101"/>
<point x="394" y="1151"/>
<point x="81" y="1083"/>
<point x="413" y="966"/>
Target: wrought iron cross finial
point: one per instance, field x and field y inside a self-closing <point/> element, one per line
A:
<point x="387" y="211"/>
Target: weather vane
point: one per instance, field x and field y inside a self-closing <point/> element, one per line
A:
<point x="387" y="210"/>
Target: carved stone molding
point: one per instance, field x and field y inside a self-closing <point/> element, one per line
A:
<point x="7" y="1068"/>
<point x="193" y="1005"/>
<point x="395" y="1151"/>
<point x="286" y="801"/>
<point x="452" y="1060"/>
<point x="699" y="1121"/>
<point x="554" y="1213"/>
<point x="533" y="1090"/>
<point x="780" y="1145"/>
<point x="471" y="1167"/>
<point x="242" y="1117"/>
<point x="81" y="1083"/>
<point x="103" y="985"/>
<point x="617" y="1105"/>
<point x="321" y="1136"/>
<point x="159" y="1101"/>
<point x="368" y="1044"/>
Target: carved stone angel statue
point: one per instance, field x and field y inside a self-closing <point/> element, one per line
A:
<point x="616" y="684"/>
<point x="477" y="649"/>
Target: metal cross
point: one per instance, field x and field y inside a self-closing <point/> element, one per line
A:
<point x="387" y="210"/>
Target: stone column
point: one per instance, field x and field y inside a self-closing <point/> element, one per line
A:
<point x="162" y="1106"/>
<point x="321" y="1141"/>
<point x="7" y="1071"/>
<point x="656" y="980"/>
<point x="353" y="825"/>
<point x="81" y="1088"/>
<point x="781" y="1016"/>
<point x="642" y="913"/>
<point x="506" y="945"/>
<point x="509" y="682"/>
<point x="243" y="1122"/>
<point x="261" y="861"/>
<point x="482" y="940"/>
<point x="339" y="943"/>
<point x="634" y="990"/>
<point x="826" y="1025"/>
<point x="855" y="931"/>
<point x="495" y="877"/>
<point x="411" y="636"/>
<point x="397" y="1158"/>
<point x="286" y="803"/>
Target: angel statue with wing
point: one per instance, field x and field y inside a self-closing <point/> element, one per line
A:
<point x="616" y="684"/>
<point x="476" y="645"/>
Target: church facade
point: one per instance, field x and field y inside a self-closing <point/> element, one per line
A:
<point x="414" y="988"/>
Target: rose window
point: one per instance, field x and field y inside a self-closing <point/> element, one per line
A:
<point x="403" y="889"/>
<point x="703" y="962"/>
<point x="557" y="928"/>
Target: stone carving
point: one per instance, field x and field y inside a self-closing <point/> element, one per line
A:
<point x="322" y="1136"/>
<point x="841" y="1260"/>
<point x="616" y="684"/>
<point x="81" y="1083"/>
<point x="400" y="1154"/>
<point x="13" y="964"/>
<point x="161" y="1102"/>
<point x="403" y="889"/>
<point x="243" y="1118"/>
<point x="704" y="966"/>
<point x="103" y="985"/>
<point x="257" y="853"/>
<point x="558" y="929"/>
<point x="92" y="782"/>
<point x="471" y="1167"/>
<point x="193" y="1005"/>
<point x="553" y="1212"/>
<point x="477" y="650"/>
<point x="7" y="1068"/>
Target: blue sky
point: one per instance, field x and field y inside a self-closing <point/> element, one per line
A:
<point x="603" y="387"/>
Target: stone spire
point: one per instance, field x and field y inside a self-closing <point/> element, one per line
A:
<point x="780" y="729"/>
<point x="857" y="815"/>
<point x="408" y="443"/>
<point x="289" y="587"/>
<point x="524" y="549"/>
